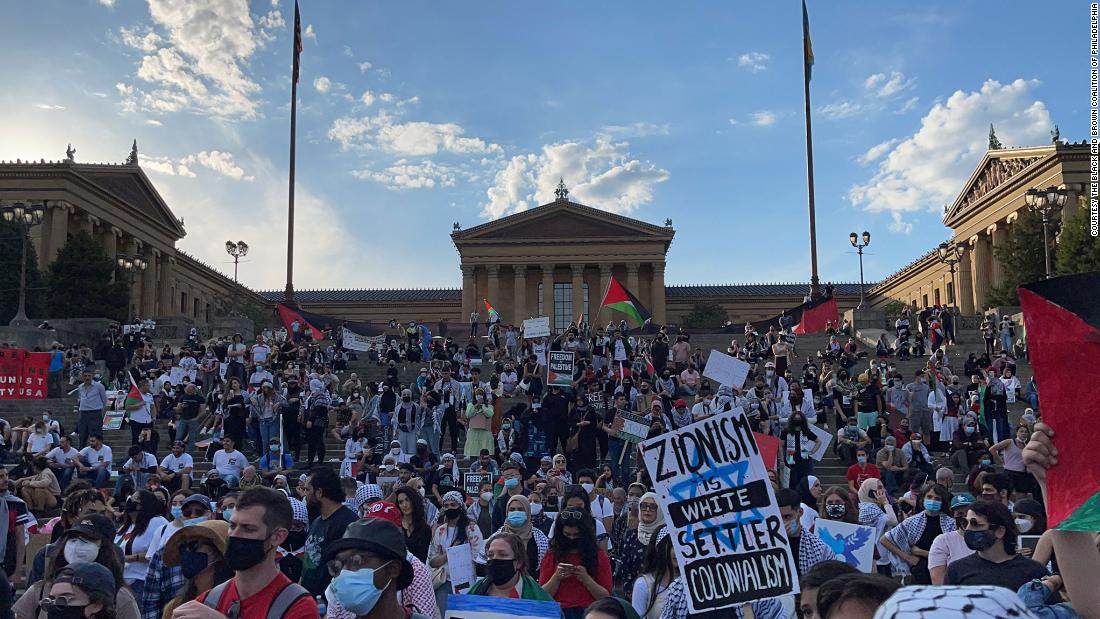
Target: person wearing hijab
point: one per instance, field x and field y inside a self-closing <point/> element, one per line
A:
<point x="876" y="511"/>
<point x="635" y="541"/>
<point x="517" y="521"/>
<point x="809" y="489"/>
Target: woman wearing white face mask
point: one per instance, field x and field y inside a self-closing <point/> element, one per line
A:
<point x="87" y="541"/>
<point x="479" y="420"/>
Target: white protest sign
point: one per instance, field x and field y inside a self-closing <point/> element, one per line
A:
<point x="460" y="567"/>
<point x="727" y="534"/>
<point x="826" y="438"/>
<point x="559" y="371"/>
<point x="853" y="544"/>
<point x="176" y="374"/>
<point x="536" y="327"/>
<point x="726" y="370"/>
<point x="362" y="343"/>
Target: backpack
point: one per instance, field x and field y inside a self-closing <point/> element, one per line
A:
<point x="284" y="599"/>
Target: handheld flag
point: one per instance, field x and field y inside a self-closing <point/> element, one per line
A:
<point x="807" y="45"/>
<point x="1062" y="318"/>
<point x="297" y="40"/>
<point x="133" y="396"/>
<point x="620" y="299"/>
<point x="494" y="315"/>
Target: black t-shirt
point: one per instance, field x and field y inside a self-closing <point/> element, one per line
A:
<point x="839" y="396"/>
<point x="191" y="404"/>
<point x="1011" y="574"/>
<point x="867" y="397"/>
<point x="322" y="533"/>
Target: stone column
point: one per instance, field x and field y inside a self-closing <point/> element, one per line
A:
<point x="167" y="297"/>
<point x="84" y="222"/>
<point x="979" y="267"/>
<point x="57" y="234"/>
<point x="658" y="288"/>
<point x="108" y="236"/>
<point x="548" y="291"/>
<point x="469" y="291"/>
<point x="578" y="289"/>
<point x="493" y="293"/>
<point x="148" y="307"/>
<point x="133" y="247"/>
<point x="519" y="295"/>
<point x="999" y="237"/>
<point x="965" y="291"/>
<point x="632" y="277"/>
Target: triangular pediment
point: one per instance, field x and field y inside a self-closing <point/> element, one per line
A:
<point x="131" y="185"/>
<point x="996" y="168"/>
<point x="563" y="219"/>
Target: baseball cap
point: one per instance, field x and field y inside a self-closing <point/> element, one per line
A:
<point x="94" y="527"/>
<point x="962" y="500"/>
<point x="90" y="577"/>
<point x="199" y="499"/>
<point x="679" y="403"/>
<point x="380" y="536"/>
<point x="386" y="511"/>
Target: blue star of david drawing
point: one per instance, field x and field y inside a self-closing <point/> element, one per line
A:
<point x="732" y="475"/>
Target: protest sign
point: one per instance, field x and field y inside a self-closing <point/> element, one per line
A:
<point x="631" y="427"/>
<point x="853" y="544"/>
<point x="361" y="343"/>
<point x="176" y="375"/>
<point x="486" y="607"/>
<point x="727" y="533"/>
<point x="536" y="327"/>
<point x="112" y="420"/>
<point x="826" y="439"/>
<point x="460" y="567"/>
<point x="24" y="375"/>
<point x="769" y="449"/>
<point x="559" y="370"/>
<point x="471" y="482"/>
<point x="726" y="370"/>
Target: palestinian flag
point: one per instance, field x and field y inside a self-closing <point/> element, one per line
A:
<point x="620" y="299"/>
<point x="1062" y="322"/>
<point x="494" y="315"/>
<point x="133" y="396"/>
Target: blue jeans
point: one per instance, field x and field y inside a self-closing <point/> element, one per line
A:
<point x="65" y="477"/>
<point x="99" y="477"/>
<point x="615" y="450"/>
<point x="186" y="429"/>
<point x="269" y="429"/>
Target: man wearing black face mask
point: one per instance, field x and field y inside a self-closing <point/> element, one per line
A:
<point x="991" y="533"/>
<point x="260" y="524"/>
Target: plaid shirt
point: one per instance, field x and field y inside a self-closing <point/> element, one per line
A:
<point x="162" y="583"/>
<point x="811" y="551"/>
<point x="676" y="606"/>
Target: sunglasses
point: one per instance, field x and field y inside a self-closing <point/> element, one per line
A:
<point x="571" y="514"/>
<point x="649" y="507"/>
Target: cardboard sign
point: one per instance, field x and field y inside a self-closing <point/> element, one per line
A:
<point x="726" y="370"/>
<point x="727" y="534"/>
<point x="485" y="607"/>
<point x="536" y="327"/>
<point x="853" y="544"/>
<point x="826" y="439"/>
<point x="560" y="368"/>
<point x="471" y="482"/>
<point x="112" y="420"/>
<point x="632" y="428"/>
<point x="460" y="567"/>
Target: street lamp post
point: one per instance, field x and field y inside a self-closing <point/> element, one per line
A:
<point x="132" y="264"/>
<point x="951" y="256"/>
<point x="853" y="238"/>
<point x="238" y="250"/>
<point x="1045" y="202"/>
<point x="24" y="217"/>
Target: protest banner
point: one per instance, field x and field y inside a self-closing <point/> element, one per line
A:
<point x="631" y="427"/>
<point x="853" y="544"/>
<point x="24" y="375"/>
<point x="560" y="368"/>
<point x="826" y="440"/>
<point x="471" y="482"/>
<point x="536" y="327"/>
<point x="177" y="374"/>
<point x="486" y="607"/>
<point x="769" y="449"/>
<point x="460" y="567"/>
<point x="727" y="533"/>
<point x="362" y="343"/>
<point x="726" y="370"/>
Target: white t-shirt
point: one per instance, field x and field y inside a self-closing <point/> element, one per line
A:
<point x="188" y="363"/>
<point x="136" y="570"/>
<point x="173" y="464"/>
<point x="62" y="457"/>
<point x="97" y="458"/>
<point x="260" y="353"/>
<point x="145" y="413"/>
<point x="147" y="461"/>
<point x="602" y="507"/>
<point x="160" y="538"/>
<point x="231" y="463"/>
<point x="37" y="442"/>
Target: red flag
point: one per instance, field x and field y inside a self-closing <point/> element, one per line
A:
<point x="815" y="317"/>
<point x="297" y="40"/>
<point x="288" y="316"/>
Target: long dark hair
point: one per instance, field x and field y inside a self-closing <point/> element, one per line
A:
<point x="107" y="557"/>
<point x="851" y="511"/>
<point x="150" y="507"/>
<point x="418" y="521"/>
<point x="461" y="524"/>
<point x="586" y="546"/>
<point x="656" y="562"/>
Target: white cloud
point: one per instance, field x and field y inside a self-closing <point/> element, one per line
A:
<point x="876" y="151"/>
<point x="764" y="119"/>
<point x="322" y="84"/>
<point x="753" y="61"/>
<point x="885" y="86"/>
<point x="348" y="52"/>
<point x="840" y="109"/>
<point x="220" y="162"/>
<point x="405" y="175"/>
<point x="734" y="121"/>
<point x="386" y="97"/>
<point x="146" y="42"/>
<point x="364" y="66"/>
<point x="600" y="174"/>
<point x="48" y="106"/>
<point x="407" y="139"/>
<point x="107" y="3"/>
<point x="636" y="130"/>
<point x="898" y="224"/>
<point x="152" y="122"/>
<point x="309" y="34"/>
<point x="368" y="98"/>
<point x="927" y="169"/>
<point x="166" y="166"/>
<point x="908" y="106"/>
<point x="413" y="100"/>
<point x="202" y="66"/>
<point x="271" y="24"/>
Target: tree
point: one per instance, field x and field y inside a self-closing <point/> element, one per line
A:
<point x="80" y="282"/>
<point x="706" y="316"/>
<point x="11" y="247"/>
<point x="1021" y="257"/>
<point x="1078" y="251"/>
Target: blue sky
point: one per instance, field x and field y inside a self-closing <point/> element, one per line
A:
<point x="413" y="115"/>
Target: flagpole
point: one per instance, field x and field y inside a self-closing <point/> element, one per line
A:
<point x="815" y="288"/>
<point x="289" y="294"/>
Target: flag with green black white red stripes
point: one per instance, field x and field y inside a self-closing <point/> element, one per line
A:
<point x="620" y="299"/>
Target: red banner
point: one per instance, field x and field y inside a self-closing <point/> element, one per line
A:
<point x="23" y="375"/>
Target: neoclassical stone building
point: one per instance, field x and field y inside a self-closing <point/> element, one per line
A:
<point x="981" y="219"/>
<point x="118" y="205"/>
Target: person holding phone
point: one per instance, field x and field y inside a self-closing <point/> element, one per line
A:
<point x="575" y="571"/>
